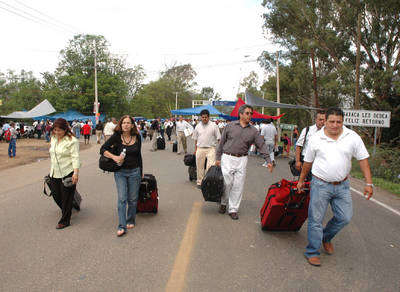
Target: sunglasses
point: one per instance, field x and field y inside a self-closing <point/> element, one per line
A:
<point x="248" y="113"/>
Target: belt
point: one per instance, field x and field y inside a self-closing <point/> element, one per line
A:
<point x="335" y="183"/>
<point x="236" y="155"/>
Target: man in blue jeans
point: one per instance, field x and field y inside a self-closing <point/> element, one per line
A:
<point x="329" y="154"/>
<point x="12" y="147"/>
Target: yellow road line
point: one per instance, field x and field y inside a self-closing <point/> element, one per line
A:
<point x="176" y="280"/>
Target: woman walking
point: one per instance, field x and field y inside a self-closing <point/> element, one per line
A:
<point x="64" y="171"/>
<point x="124" y="147"/>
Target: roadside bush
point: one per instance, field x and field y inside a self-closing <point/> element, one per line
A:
<point x="384" y="164"/>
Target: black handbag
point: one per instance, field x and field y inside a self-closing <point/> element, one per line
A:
<point x="107" y="164"/>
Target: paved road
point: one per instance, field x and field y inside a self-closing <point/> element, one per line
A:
<point x="187" y="246"/>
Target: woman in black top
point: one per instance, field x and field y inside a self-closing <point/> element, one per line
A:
<point x="126" y="140"/>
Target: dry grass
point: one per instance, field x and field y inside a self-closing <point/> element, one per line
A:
<point x="28" y="151"/>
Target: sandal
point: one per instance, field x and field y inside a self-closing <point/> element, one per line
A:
<point x="130" y="226"/>
<point x="120" y="232"/>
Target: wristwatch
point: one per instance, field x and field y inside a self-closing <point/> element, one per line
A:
<point x="370" y="185"/>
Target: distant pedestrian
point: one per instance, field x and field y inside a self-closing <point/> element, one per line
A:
<point x="181" y="126"/>
<point x="329" y="154"/>
<point x="286" y="145"/>
<point x="47" y="131"/>
<point x="87" y="131"/>
<point x="169" y="125"/>
<point x="155" y="127"/>
<point x="99" y="131"/>
<point x="270" y="135"/>
<point x="295" y="136"/>
<point x="126" y="139"/>
<point x="76" y="128"/>
<point x="12" y="146"/>
<point x="109" y="128"/>
<point x="65" y="163"/>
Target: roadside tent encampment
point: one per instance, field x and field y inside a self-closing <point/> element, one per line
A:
<point x="70" y="116"/>
<point x="196" y="111"/>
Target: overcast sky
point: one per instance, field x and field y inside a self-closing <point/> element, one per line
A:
<point x="220" y="38"/>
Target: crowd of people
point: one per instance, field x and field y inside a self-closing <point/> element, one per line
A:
<point x="325" y="148"/>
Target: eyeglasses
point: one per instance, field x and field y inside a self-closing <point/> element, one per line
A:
<point x="248" y="113"/>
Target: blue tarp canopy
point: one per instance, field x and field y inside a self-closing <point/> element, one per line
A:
<point x="196" y="111"/>
<point x="71" y="115"/>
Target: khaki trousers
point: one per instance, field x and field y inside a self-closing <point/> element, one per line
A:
<point x="98" y="135"/>
<point x="201" y="155"/>
<point x="182" y="142"/>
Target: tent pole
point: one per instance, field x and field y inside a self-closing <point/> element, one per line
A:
<point x="278" y="96"/>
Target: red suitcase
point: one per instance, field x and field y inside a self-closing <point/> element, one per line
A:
<point x="285" y="209"/>
<point x="148" y="195"/>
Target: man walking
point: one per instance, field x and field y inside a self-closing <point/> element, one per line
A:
<point x="270" y="135"/>
<point x="155" y="127"/>
<point x="181" y="126"/>
<point x="109" y="128"/>
<point x="99" y="131"/>
<point x="329" y="153"/>
<point x="12" y="147"/>
<point x="205" y="136"/>
<point x="306" y="134"/>
<point x="232" y="157"/>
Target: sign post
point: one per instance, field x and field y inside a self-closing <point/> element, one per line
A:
<point x="364" y="118"/>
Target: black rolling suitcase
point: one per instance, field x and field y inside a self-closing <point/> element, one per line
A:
<point x="148" y="195"/>
<point x="76" y="203"/>
<point x="160" y="143"/>
<point x="192" y="173"/>
<point x="175" y="147"/>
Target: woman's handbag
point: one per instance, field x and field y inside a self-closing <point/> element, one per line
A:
<point x="107" y="164"/>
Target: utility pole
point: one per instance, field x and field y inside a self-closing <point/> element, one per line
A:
<point x="176" y="100"/>
<point x="96" y="101"/>
<point x="278" y="95"/>
<point x="263" y="107"/>
<point x="357" y="96"/>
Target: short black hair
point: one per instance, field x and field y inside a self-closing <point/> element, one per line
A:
<point x="334" y="111"/>
<point x="243" y="107"/>
<point x="320" y="112"/>
<point x="205" y="112"/>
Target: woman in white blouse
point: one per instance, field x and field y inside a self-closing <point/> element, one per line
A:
<point x="64" y="172"/>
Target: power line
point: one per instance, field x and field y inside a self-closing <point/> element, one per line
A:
<point x="31" y="17"/>
<point x="48" y="16"/>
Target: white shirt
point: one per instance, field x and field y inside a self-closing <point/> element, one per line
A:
<point x="168" y="124"/>
<point x="332" y="158"/>
<point x="268" y="131"/>
<point x="109" y="129"/>
<point x="221" y="125"/>
<point x="300" y="141"/>
<point x="206" y="135"/>
<point x="181" y="126"/>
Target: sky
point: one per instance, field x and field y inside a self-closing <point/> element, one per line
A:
<point x="220" y="38"/>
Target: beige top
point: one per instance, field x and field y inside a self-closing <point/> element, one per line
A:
<point x="206" y="135"/>
<point x="64" y="156"/>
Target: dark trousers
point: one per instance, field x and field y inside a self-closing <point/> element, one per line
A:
<point x="64" y="196"/>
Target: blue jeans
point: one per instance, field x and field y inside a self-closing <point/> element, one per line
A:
<point x="128" y="183"/>
<point x="323" y="194"/>
<point x="12" y="147"/>
<point x="47" y="136"/>
<point x="77" y="133"/>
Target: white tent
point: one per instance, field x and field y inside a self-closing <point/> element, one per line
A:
<point x="42" y="109"/>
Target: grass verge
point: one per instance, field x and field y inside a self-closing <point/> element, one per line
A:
<point x="380" y="182"/>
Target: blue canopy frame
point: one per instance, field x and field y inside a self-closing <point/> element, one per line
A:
<point x="196" y="111"/>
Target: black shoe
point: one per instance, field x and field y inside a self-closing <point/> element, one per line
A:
<point x="234" y="216"/>
<point x="222" y="209"/>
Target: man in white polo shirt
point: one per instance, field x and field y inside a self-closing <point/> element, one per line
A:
<point x="305" y="135"/>
<point x="206" y="135"/>
<point x="329" y="152"/>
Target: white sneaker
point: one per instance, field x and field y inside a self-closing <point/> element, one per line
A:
<point x="265" y="164"/>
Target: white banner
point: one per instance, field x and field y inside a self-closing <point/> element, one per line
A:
<point x="366" y="118"/>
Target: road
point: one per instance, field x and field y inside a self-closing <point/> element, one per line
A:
<point x="188" y="245"/>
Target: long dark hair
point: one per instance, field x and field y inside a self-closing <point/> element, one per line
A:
<point x="63" y="125"/>
<point x="134" y="130"/>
